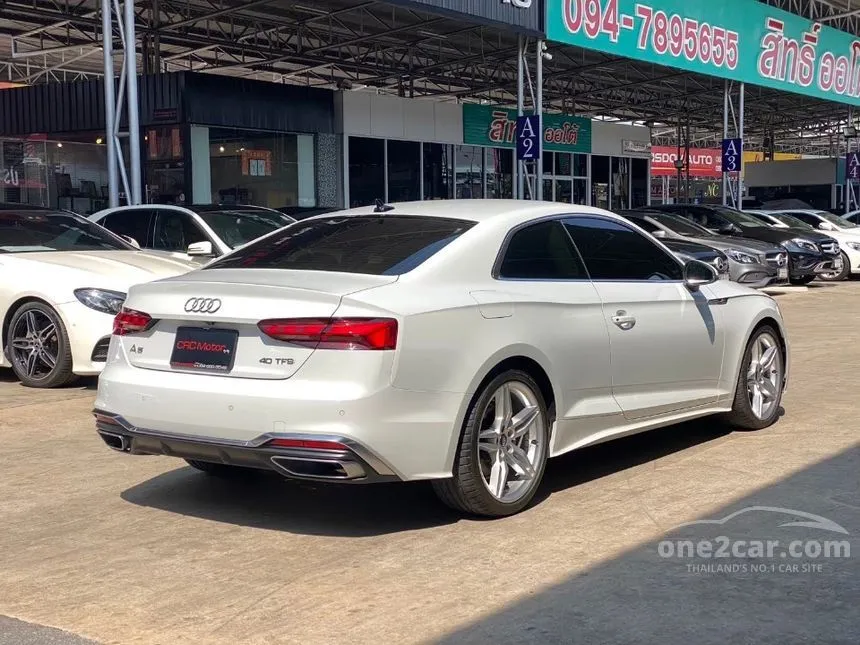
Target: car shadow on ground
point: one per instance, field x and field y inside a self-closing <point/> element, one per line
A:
<point x="266" y="500"/>
<point x="709" y="583"/>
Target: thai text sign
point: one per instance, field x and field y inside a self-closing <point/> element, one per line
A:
<point x="742" y="40"/>
<point x="484" y="125"/>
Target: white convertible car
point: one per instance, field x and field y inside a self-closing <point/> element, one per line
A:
<point x="62" y="280"/>
<point x="463" y="342"/>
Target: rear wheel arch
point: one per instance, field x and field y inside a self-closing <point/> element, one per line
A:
<point x="494" y="366"/>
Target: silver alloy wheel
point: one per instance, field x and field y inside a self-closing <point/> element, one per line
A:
<point x="511" y="441"/>
<point x="34" y="344"/>
<point x="764" y="376"/>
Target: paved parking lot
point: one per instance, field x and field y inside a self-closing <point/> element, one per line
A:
<point x="144" y="550"/>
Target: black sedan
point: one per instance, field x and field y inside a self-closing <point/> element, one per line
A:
<point x="810" y="253"/>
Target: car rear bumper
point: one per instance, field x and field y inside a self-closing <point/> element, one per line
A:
<point x="345" y="461"/>
<point x="413" y="433"/>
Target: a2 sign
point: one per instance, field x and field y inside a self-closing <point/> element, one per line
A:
<point x="519" y="4"/>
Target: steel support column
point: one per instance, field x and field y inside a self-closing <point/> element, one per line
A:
<point x="733" y="128"/>
<point x="519" y="178"/>
<point x="726" y="99"/>
<point x="125" y="98"/>
<point x="110" y="106"/>
<point x="132" y="103"/>
<point x="538" y="192"/>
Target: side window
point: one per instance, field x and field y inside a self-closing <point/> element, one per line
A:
<point x="613" y="251"/>
<point x="541" y="251"/>
<point x="175" y="231"/>
<point x="704" y="217"/>
<point x="812" y="220"/>
<point x="133" y="222"/>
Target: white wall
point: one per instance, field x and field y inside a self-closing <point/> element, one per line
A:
<point x="608" y="138"/>
<point x="800" y="172"/>
<point x="366" y="114"/>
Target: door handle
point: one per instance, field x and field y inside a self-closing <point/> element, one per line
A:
<point x="623" y="321"/>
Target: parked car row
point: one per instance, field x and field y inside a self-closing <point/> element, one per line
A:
<point x="463" y="343"/>
<point x="811" y="253"/>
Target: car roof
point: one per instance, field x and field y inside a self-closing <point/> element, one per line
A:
<point x="479" y="210"/>
<point x="5" y="206"/>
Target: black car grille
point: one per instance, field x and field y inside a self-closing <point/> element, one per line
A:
<point x="777" y="259"/>
<point x="830" y="248"/>
<point x="100" y="351"/>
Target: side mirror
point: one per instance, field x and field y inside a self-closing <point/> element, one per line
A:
<point x="728" y="229"/>
<point x="660" y="234"/>
<point x="131" y="241"/>
<point x="698" y="274"/>
<point x="826" y="226"/>
<point x="200" y="249"/>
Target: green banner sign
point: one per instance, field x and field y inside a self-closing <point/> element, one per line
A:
<point x="742" y="40"/>
<point x="484" y="125"/>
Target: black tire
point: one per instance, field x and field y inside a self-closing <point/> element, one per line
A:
<point x="802" y="281"/>
<point x="222" y="471"/>
<point x="466" y="491"/>
<point x="838" y="277"/>
<point x="742" y="415"/>
<point x="61" y="373"/>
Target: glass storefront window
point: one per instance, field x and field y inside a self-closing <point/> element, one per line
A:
<point x="580" y="191"/>
<point x="620" y="183"/>
<point x="469" y="172"/>
<point x="639" y="195"/>
<point x="366" y="171"/>
<point x="65" y="172"/>
<point x="404" y="171"/>
<point x="438" y="171"/>
<point x="261" y="168"/>
<point x="600" y="181"/>
<point x="164" y="170"/>
<point x="500" y="173"/>
<point x="580" y="165"/>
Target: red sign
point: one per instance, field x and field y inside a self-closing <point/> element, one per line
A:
<point x="704" y="162"/>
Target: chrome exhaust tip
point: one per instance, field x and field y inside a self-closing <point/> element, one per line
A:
<point x="115" y="441"/>
<point x="320" y="468"/>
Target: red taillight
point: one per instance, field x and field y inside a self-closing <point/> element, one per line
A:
<point x="129" y="321"/>
<point x="334" y="333"/>
<point x="310" y="444"/>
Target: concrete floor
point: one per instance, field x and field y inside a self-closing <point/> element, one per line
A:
<point x="143" y="550"/>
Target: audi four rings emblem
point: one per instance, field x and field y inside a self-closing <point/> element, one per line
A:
<point x="202" y="305"/>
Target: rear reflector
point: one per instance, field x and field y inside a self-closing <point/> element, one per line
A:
<point x="310" y="444"/>
<point x="129" y="321"/>
<point x="334" y="333"/>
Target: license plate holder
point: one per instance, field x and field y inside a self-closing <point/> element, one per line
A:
<point x="782" y="273"/>
<point x="208" y="350"/>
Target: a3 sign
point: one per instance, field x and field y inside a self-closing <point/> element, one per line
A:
<point x="733" y="154"/>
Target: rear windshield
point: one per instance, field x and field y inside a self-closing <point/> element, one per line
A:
<point x="375" y="245"/>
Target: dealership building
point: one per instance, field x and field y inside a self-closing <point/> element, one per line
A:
<point x="413" y="100"/>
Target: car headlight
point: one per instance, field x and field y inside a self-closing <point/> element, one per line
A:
<point x="853" y="245"/>
<point x="740" y="256"/>
<point x="103" y="300"/>
<point x="804" y="245"/>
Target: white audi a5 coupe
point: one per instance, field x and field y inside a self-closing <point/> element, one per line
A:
<point x="464" y="342"/>
<point x="62" y="280"/>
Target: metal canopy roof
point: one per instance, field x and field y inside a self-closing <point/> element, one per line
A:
<point x="365" y="45"/>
